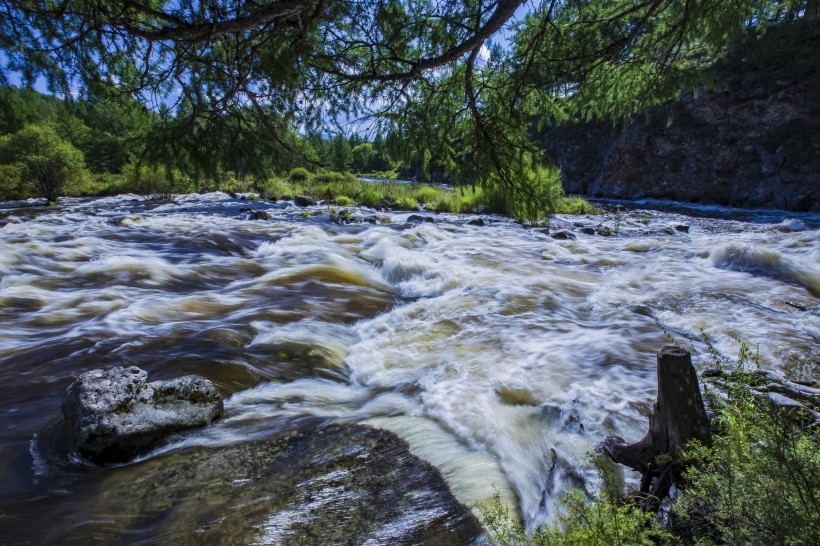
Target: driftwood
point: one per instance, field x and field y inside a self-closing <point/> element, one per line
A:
<point x="678" y="416"/>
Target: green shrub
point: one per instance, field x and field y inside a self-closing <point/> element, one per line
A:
<point x="369" y="197"/>
<point x="758" y="483"/>
<point x="426" y="194"/>
<point x="447" y="203"/>
<point x="405" y="202"/>
<point x="276" y="188"/>
<point x="299" y="174"/>
<point x="49" y="165"/>
<point x="600" y="523"/>
<point x="343" y="201"/>
<point x="11" y="186"/>
<point x="156" y="183"/>
<point x="576" y="205"/>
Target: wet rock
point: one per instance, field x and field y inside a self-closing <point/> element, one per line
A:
<point x="564" y="235"/>
<point x="373" y="219"/>
<point x="476" y="222"/>
<point x="114" y="415"/>
<point x="418" y="218"/>
<point x="588" y="231"/>
<point x="321" y="483"/>
<point x="386" y="204"/>
<point x="233" y="195"/>
<point x="246" y="209"/>
<point x="603" y="231"/>
<point x="260" y="215"/>
<point x="304" y="201"/>
<point x="682" y="228"/>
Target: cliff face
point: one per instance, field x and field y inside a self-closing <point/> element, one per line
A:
<point x="753" y="144"/>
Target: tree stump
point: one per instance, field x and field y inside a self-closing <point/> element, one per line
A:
<point x="678" y="416"/>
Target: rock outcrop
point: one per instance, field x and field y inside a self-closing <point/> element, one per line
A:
<point x="114" y="415"/>
<point x="321" y="483"/>
<point x="754" y="142"/>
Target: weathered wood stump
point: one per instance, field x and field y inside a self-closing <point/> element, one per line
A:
<point x="678" y="416"/>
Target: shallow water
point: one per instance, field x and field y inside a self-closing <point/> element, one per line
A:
<point x="501" y="354"/>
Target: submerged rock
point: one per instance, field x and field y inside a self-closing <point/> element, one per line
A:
<point x="260" y="215"/>
<point x="564" y="235"/>
<point x="304" y="201"/>
<point x="114" y="415"/>
<point x="418" y="218"/>
<point x="323" y="483"/>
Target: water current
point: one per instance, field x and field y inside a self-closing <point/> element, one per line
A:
<point x="501" y="354"/>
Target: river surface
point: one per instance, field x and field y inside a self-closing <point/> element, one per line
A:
<point x="502" y="355"/>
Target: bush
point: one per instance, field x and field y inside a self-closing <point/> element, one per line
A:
<point x="576" y="205"/>
<point x="48" y="165"/>
<point x="11" y="185"/>
<point x="299" y="174"/>
<point x="426" y="194"/>
<point x="758" y="483"/>
<point x="369" y="197"/>
<point x="447" y="203"/>
<point x="343" y="201"/>
<point x="601" y="523"/>
<point x="407" y="203"/>
<point x="156" y="183"/>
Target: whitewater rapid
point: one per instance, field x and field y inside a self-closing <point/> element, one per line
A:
<point x="501" y="354"/>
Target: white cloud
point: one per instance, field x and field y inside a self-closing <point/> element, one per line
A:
<point x="484" y="53"/>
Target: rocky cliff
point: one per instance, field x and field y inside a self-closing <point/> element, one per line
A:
<point x="754" y="142"/>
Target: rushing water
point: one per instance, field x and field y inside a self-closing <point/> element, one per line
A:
<point x="501" y="354"/>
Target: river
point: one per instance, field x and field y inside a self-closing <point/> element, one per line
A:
<point x="501" y="354"/>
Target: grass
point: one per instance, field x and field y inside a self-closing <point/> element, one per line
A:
<point x="344" y="189"/>
<point x="339" y="189"/>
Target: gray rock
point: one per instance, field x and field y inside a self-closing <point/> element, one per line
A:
<point x="564" y="235"/>
<point x="304" y="201"/>
<point x="418" y="218"/>
<point x="322" y="483"/>
<point x="114" y="415"/>
<point x="260" y="215"/>
<point x="476" y="222"/>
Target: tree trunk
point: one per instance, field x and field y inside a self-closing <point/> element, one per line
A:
<point x="678" y="416"/>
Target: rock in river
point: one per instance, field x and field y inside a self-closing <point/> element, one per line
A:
<point x="114" y="415"/>
<point x="318" y="483"/>
<point x="304" y="201"/>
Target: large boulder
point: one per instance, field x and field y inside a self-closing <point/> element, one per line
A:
<point x="320" y="483"/>
<point x="114" y="415"/>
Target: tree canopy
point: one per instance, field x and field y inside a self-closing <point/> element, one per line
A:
<point x="461" y="81"/>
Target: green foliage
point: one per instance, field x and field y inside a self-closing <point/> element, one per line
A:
<point x="757" y="484"/>
<point x="299" y="174"/>
<point x="343" y="201"/>
<point x="369" y="197"/>
<point x="156" y="183"/>
<point x="11" y="185"/>
<point x="538" y="194"/>
<point x="405" y="202"/>
<point x="600" y="523"/>
<point x="576" y="205"/>
<point x="785" y="53"/>
<point x="48" y="165"/>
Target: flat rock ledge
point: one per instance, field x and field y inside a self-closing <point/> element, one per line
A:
<point x="114" y="415"/>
